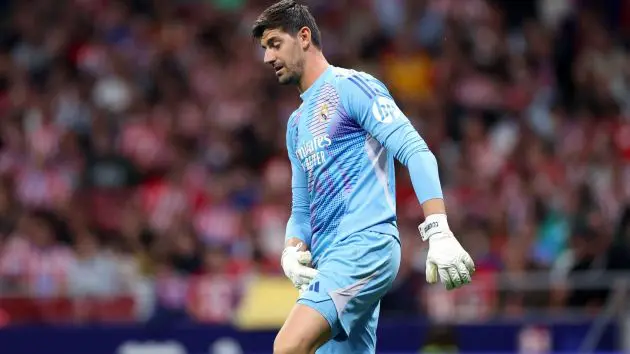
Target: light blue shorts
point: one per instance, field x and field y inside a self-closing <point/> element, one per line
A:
<point x="354" y="274"/>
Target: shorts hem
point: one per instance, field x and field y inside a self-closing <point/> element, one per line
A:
<point x="336" y="328"/>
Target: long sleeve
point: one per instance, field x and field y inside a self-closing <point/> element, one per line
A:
<point x="369" y="102"/>
<point x="299" y="225"/>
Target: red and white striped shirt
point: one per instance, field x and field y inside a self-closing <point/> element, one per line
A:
<point x="44" y="271"/>
<point x="43" y="188"/>
<point x="163" y="202"/>
<point x="219" y="223"/>
<point x="213" y="298"/>
<point x="143" y="145"/>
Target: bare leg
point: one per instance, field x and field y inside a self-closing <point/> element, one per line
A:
<point x="303" y="332"/>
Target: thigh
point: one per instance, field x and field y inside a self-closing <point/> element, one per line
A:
<point x="304" y="328"/>
<point x="352" y="278"/>
<point x="362" y="339"/>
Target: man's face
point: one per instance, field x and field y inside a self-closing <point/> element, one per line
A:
<point x="284" y="53"/>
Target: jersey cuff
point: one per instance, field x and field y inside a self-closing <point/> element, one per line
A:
<point x="425" y="177"/>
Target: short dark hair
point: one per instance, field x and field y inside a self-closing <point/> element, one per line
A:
<point x="288" y="16"/>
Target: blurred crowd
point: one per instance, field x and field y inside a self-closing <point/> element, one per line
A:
<point x="142" y="145"/>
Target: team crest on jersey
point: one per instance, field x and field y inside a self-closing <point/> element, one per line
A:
<point x="324" y="114"/>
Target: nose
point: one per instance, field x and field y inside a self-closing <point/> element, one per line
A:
<point x="269" y="57"/>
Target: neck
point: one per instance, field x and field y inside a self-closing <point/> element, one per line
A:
<point x="313" y="68"/>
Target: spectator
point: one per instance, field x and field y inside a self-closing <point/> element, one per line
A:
<point x="155" y="126"/>
<point x="94" y="273"/>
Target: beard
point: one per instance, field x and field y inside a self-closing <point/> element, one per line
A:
<point x="292" y="74"/>
<point x="289" y="77"/>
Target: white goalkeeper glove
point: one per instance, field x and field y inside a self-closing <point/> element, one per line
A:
<point x="446" y="256"/>
<point x="295" y="265"/>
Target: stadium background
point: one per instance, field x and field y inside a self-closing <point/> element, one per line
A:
<point x="144" y="179"/>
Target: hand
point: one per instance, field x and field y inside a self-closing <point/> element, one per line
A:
<point x="446" y="256"/>
<point x="302" y="288"/>
<point x="295" y="265"/>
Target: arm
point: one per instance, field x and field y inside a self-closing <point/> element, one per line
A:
<point x="295" y="242"/>
<point x="296" y="258"/>
<point x="369" y="102"/>
<point x="298" y="229"/>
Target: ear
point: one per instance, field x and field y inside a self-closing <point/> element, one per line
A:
<point x="304" y="37"/>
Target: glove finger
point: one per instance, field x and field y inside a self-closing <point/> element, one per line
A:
<point x="306" y="272"/>
<point x="304" y="280"/>
<point x="464" y="274"/>
<point x="455" y="278"/>
<point x="431" y="272"/>
<point x="302" y="288"/>
<point x="470" y="265"/>
<point x="445" y="278"/>
<point x="304" y="257"/>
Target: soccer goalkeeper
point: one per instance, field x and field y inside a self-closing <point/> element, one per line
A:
<point x="342" y="142"/>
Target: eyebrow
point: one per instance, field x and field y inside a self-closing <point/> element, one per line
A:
<point x="269" y="40"/>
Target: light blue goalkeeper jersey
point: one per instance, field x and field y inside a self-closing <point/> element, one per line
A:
<point x="342" y="142"/>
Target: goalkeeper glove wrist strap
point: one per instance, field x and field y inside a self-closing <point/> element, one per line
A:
<point x="432" y="225"/>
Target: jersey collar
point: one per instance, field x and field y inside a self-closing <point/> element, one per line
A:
<point x="320" y="80"/>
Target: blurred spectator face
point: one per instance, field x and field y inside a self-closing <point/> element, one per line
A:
<point x="13" y="137"/>
<point x="477" y="244"/>
<point x="162" y="119"/>
<point x="5" y="200"/>
<point x="69" y="146"/>
<point x="514" y="259"/>
<point x="141" y="30"/>
<point x="87" y="246"/>
<point x="215" y="259"/>
<point x="158" y="98"/>
<point x="132" y="221"/>
<point x="599" y="38"/>
<point x="174" y="36"/>
<point x="219" y="189"/>
<point x="184" y="256"/>
<point x="474" y="130"/>
<point x="41" y="233"/>
<point x="184" y="244"/>
<point x="285" y="53"/>
<point x="190" y="121"/>
<point x="277" y="176"/>
<point x="102" y="144"/>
